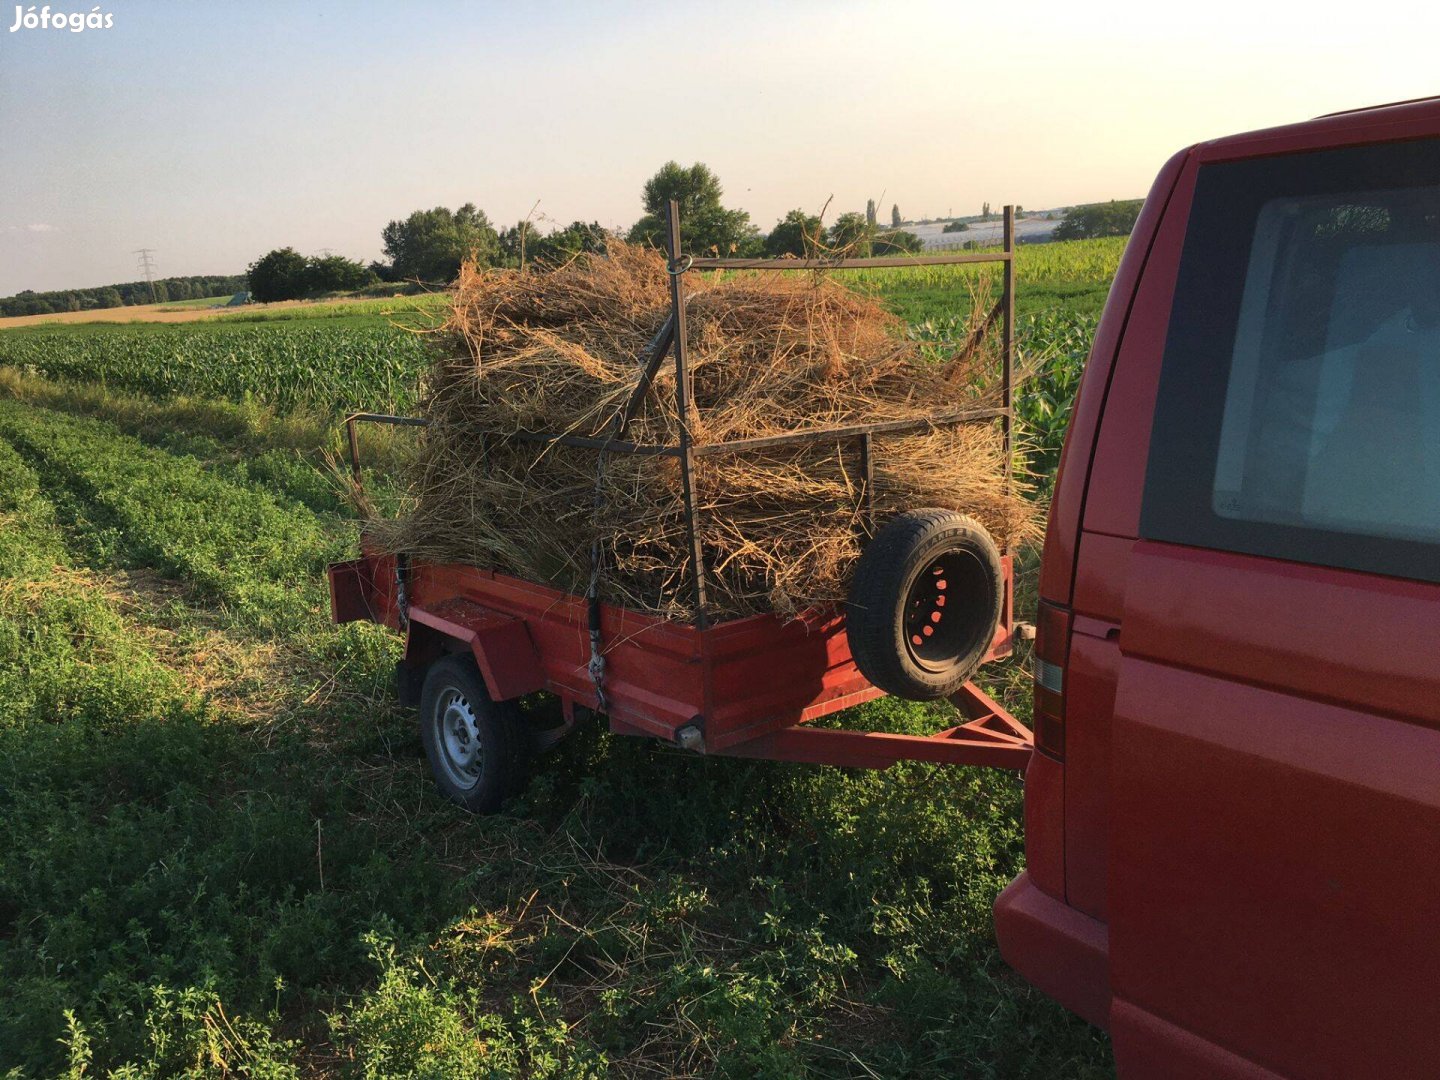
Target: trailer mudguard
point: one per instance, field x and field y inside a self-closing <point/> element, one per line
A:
<point x="501" y="644"/>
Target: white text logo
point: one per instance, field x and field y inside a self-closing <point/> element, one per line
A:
<point x="75" y="22"/>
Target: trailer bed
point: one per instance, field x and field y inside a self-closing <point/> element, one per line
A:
<point x="744" y="687"/>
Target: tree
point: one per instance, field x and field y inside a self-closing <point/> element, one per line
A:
<point x="335" y="273"/>
<point x="895" y="215"/>
<point x="985" y="211"/>
<point x="896" y="242"/>
<point x="797" y="233"/>
<point x="705" y="224"/>
<point x="851" y="235"/>
<point x="553" y="248"/>
<point x="1099" y="219"/>
<point x="277" y="275"/>
<point x="576" y="238"/>
<point x="956" y="226"/>
<point x="871" y="215"/>
<point x="430" y="245"/>
<point x="516" y="243"/>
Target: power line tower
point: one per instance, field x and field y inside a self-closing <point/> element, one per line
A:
<point x="147" y="265"/>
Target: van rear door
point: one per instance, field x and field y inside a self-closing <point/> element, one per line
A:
<point x="1274" y="883"/>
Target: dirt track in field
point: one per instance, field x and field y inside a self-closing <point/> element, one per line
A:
<point x="161" y="313"/>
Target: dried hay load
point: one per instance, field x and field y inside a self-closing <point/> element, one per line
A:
<point x="770" y="354"/>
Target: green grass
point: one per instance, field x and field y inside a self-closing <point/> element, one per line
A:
<point x="197" y="302"/>
<point x="221" y="853"/>
<point x="404" y="309"/>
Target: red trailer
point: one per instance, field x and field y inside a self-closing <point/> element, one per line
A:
<point x="933" y="600"/>
<point x="746" y="687"/>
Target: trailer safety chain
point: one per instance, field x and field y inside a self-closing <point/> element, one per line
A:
<point x="596" y="666"/>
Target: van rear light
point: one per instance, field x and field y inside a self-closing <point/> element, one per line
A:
<point x="1052" y="647"/>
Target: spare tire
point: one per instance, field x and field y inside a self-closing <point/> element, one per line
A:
<point x="925" y="603"/>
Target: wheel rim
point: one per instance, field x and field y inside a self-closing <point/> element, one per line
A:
<point x="457" y="737"/>
<point x="940" y="610"/>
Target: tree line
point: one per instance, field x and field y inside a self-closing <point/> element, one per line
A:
<point x="428" y="246"/>
<point x="166" y="290"/>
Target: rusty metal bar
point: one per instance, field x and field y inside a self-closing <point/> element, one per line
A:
<point x="867" y="477"/>
<point x="654" y="356"/>
<point x="876" y="262"/>
<point x="977" y="336"/>
<point x="354" y="441"/>
<point x="1008" y="370"/>
<point x="353" y="438"/>
<point x="890" y="427"/>
<point x="879" y="749"/>
<point x="677" y="270"/>
<point x="587" y="442"/>
<point x="386" y="418"/>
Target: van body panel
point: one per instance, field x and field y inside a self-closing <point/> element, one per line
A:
<point x="1063" y="953"/>
<point x="1057" y="567"/>
<point x="1146" y="1045"/>
<point x="1045" y="825"/>
<point x="1340" y="636"/>
<point x="1100" y="577"/>
<point x="1112" y="504"/>
<point x="1249" y="805"/>
<point x="1091" y="678"/>
<point x="1407" y="120"/>
<point x="1267" y="888"/>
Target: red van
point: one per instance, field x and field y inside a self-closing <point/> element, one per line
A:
<point x="1233" y="813"/>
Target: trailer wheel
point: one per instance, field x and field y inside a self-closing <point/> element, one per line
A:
<point x="924" y="603"/>
<point x="472" y="742"/>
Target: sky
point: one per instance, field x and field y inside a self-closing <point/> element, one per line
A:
<point x="212" y="132"/>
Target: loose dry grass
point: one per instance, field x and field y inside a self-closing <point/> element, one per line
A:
<point x="770" y="354"/>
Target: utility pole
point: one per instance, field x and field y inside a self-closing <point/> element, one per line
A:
<point x="147" y="265"/>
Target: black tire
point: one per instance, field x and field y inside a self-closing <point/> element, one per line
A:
<point x="474" y="744"/>
<point x="924" y="603"/>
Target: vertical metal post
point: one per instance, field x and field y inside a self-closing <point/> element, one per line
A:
<point x="1008" y="373"/>
<point x="683" y="406"/>
<point x="354" y="441"/>
<point x="867" y="477"/>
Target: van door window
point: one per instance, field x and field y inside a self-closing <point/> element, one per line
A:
<point x="1299" y="408"/>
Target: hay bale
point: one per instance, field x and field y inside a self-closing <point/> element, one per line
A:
<point x="770" y="354"/>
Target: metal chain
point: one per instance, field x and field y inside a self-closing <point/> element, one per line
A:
<point x="596" y="666"/>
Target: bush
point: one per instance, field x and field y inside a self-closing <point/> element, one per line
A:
<point x="335" y="273"/>
<point x="897" y="242"/>
<point x="430" y="245"/>
<point x="285" y="274"/>
<point x="278" y="275"/>
<point x="1099" y="219"/>
<point x="797" y="233"/>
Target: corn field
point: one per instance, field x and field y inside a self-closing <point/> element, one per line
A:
<point x="286" y="365"/>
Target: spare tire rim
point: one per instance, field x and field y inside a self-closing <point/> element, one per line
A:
<point x="939" y="613"/>
<point x="457" y="735"/>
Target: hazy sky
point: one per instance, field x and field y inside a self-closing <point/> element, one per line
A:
<point x="212" y="132"/>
